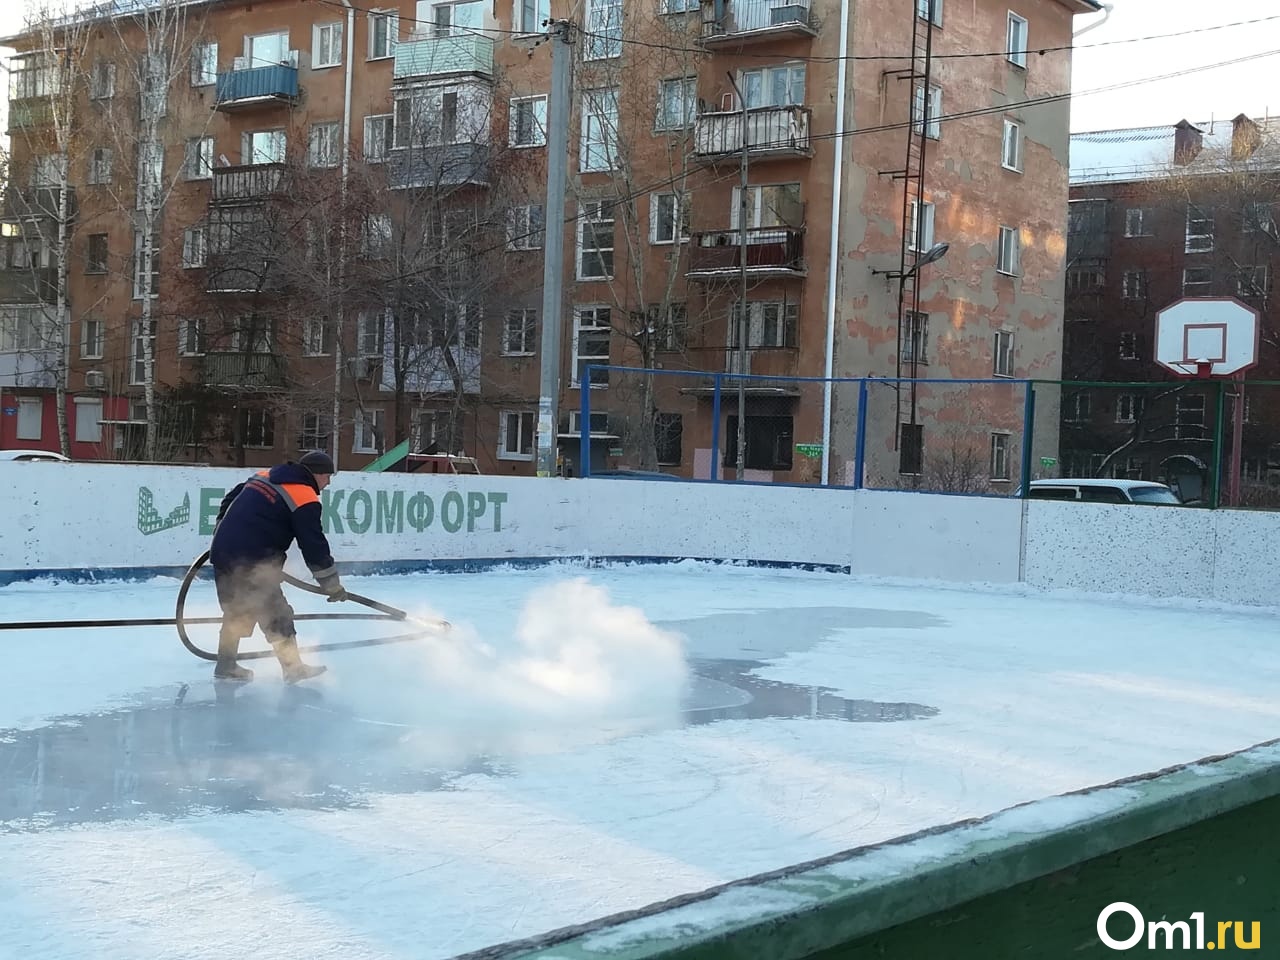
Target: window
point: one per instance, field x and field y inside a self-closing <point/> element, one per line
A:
<point x="146" y="267"/>
<point x="102" y="80"/>
<point x="928" y="123"/>
<point x="668" y="438"/>
<point x="153" y="81"/>
<point x="1000" y="456"/>
<point x="384" y="31"/>
<point x="204" y="64"/>
<point x="1199" y="231"/>
<point x="48" y="171"/>
<point x="1135" y="223"/>
<point x="313" y="432"/>
<point x="1011" y="155"/>
<point x="251" y="334"/>
<point x="25" y="328"/>
<point x="326" y="44"/>
<point x="95" y="260"/>
<point x="150" y="173"/>
<point x="1017" y="44"/>
<point x="520" y="333"/>
<point x="771" y="324"/>
<point x="30" y="418"/>
<point x="1197" y="281"/>
<point x="93" y="339"/>
<point x="268" y="49"/>
<point x="436" y="431"/>
<point x="677" y="103"/>
<point x="599" y="148"/>
<point x="195" y="246"/>
<point x="515" y="435"/>
<point x="100" y="163"/>
<point x="323" y="148"/>
<point x="602" y="38"/>
<point x="379" y="133"/>
<point x="1253" y="281"/>
<point x="591" y="336"/>
<point x="88" y="420"/>
<point x="257" y="427"/>
<point x="525" y="227"/>
<point x="768" y="442"/>
<point x="198" y="164"/>
<point x="531" y="15"/>
<point x="450" y="19"/>
<point x="915" y="337"/>
<point x="527" y="122"/>
<point x="669" y="328"/>
<point x="1135" y="284"/>
<point x="595" y="240"/>
<point x="369" y="334"/>
<point x="1259" y="217"/>
<point x="911" y="449"/>
<point x="370" y="432"/>
<point x="921" y="227"/>
<point x="780" y="86"/>
<point x="1086" y="280"/>
<point x="1189" y="422"/>
<point x="668" y="218"/>
<point x="427" y="116"/>
<point x="376" y="236"/>
<point x="930" y="10"/>
<point x="1003" y="365"/>
<point x="1129" y="407"/>
<point x="1128" y="345"/>
<point x="315" y="336"/>
<point x="774" y="205"/>
<point x="262" y="146"/>
<point x="1008" y="251"/>
<point x="1077" y="407"/>
<point x="143" y="347"/>
<point x="191" y="338"/>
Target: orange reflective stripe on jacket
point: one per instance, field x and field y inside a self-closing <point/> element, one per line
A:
<point x="295" y="494"/>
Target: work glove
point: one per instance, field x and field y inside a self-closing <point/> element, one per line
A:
<point x="332" y="586"/>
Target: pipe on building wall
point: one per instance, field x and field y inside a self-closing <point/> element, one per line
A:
<point x="342" y="252"/>
<point x="1107" y="9"/>
<point x="833" y="264"/>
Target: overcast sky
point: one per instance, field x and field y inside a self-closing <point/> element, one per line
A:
<point x="1220" y="93"/>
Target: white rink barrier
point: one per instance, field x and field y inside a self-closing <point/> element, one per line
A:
<point x="96" y="521"/>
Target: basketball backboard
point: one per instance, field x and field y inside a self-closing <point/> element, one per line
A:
<point x="1207" y="337"/>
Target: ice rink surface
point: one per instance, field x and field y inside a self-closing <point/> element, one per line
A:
<point x="586" y="741"/>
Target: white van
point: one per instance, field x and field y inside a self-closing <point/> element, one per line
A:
<point x="1103" y="490"/>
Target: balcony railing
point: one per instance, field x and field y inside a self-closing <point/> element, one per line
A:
<point x="241" y="272"/>
<point x="740" y="22"/>
<point x="440" y="56"/>
<point x="29" y="285"/>
<point x="275" y="83"/>
<point x="440" y="165"/>
<point x="248" y="183"/>
<point x="771" y="131"/>
<point x="245" y="370"/>
<point x="769" y="252"/>
<point x="37" y="203"/>
<point x="30" y="113"/>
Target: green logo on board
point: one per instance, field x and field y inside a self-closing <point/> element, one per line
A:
<point x="149" y="519"/>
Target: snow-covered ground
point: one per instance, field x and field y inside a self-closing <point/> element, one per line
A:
<point x="586" y="741"/>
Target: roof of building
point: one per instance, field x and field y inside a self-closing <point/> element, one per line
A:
<point x="1145" y="153"/>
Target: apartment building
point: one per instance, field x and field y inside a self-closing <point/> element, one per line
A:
<point x="1159" y="213"/>
<point x="234" y="230"/>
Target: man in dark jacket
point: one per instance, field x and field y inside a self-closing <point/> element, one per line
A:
<point x="257" y="522"/>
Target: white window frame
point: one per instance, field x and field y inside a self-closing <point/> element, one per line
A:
<point x="102" y="81"/>
<point x="523" y="11"/>
<point x="1012" y="144"/>
<point x="23" y="430"/>
<point x="1133" y="285"/>
<point x="392" y="20"/>
<point x="195" y="246"/>
<point x="315" y="336"/>
<point x="93" y="338"/>
<point x="921" y="239"/>
<point x="265" y="422"/>
<point x="150" y="172"/>
<point x="101" y="162"/>
<point x="370" y="434"/>
<point x="377" y="147"/>
<point x="1017" y="39"/>
<point x="603" y="30"/>
<point x="760" y="86"/>
<point x="326" y="35"/>
<point x="591" y="319"/>
<point x="598" y="145"/>
<point x="1009" y="251"/>
<point x="915" y="337"/>
<point x="90" y="267"/>
<point x="370" y="326"/>
<point x="1128" y="345"/>
<point x="1001" y="448"/>
<point x="1002" y="363"/>
<point x="324" y="145"/>
<point x="272" y="150"/>
<point x="538" y="120"/>
<point x="1135" y="222"/>
<point x="525" y="434"/>
<point x="1253" y="281"/>
<point x="1078" y="408"/>
<point x="1134" y="402"/>
<point x="1200" y="231"/>
<point x="191" y="337"/>
<point x="137" y="266"/>
<point x="198" y="161"/>
<point x="88" y="430"/>
<point x="684" y="92"/>
<point x="922" y="11"/>
<point x="138" y="362"/>
<point x="679" y="218"/>
<point x="204" y="64"/>
<point x="590" y="213"/>
<point x="286" y="55"/>
<point x="526" y="227"/>
<point x="1205" y="287"/>
<point x="523" y="323"/>
<point x="933" y="130"/>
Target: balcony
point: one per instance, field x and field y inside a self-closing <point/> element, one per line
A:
<point x="36" y="203"/>
<point x="256" y="87"/>
<point x="429" y="57"/>
<point x="249" y="183"/>
<point x="450" y="164"/>
<point x="740" y="23"/>
<point x="30" y="113"/>
<point x="241" y="273"/>
<point x="769" y="251"/>
<point x="771" y="132"/>
<point x="29" y="286"/>
<point x="248" y="371"/>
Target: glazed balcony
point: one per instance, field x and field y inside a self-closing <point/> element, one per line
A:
<point x="740" y="23"/>
<point x="248" y="371"/>
<point x="769" y="252"/>
<point x="428" y="57"/>
<point x="30" y="113"/>
<point x="450" y="164"/>
<point x="37" y="203"/>
<point x="249" y="87"/>
<point x="29" y="285"/>
<point x="771" y="132"/>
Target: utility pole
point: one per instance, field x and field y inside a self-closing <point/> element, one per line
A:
<point x="561" y="32"/>
<point x="744" y="319"/>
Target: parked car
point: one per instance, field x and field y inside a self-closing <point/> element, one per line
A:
<point x="15" y="455"/>
<point x="1104" y="490"/>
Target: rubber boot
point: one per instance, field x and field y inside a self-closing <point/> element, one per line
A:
<point x="291" y="665"/>
<point x="227" y="668"/>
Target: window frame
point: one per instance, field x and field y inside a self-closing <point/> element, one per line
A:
<point x="538" y="121"/>
<point x="204" y="68"/>
<point x="922" y="236"/>
<point x="370" y="419"/>
<point x="335" y="30"/>
<point x="1013" y="135"/>
<point x="392" y="20"/>
<point x="93" y="338"/>
<point x="1001" y="450"/>
<point x="1009" y="251"/>
<point x="1003" y="360"/>
<point x="1017" y="54"/>
<point x="932" y="129"/>
<point x="601" y="322"/>
<point x="679" y="218"/>
<point x="525" y="319"/>
<point x="522" y="418"/>
<point x="588" y="219"/>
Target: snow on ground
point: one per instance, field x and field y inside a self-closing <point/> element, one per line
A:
<point x="533" y="769"/>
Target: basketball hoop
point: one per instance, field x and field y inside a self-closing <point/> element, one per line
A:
<point x="1204" y="369"/>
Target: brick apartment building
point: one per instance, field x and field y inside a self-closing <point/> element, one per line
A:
<point x="1157" y="214"/>
<point x="289" y="224"/>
